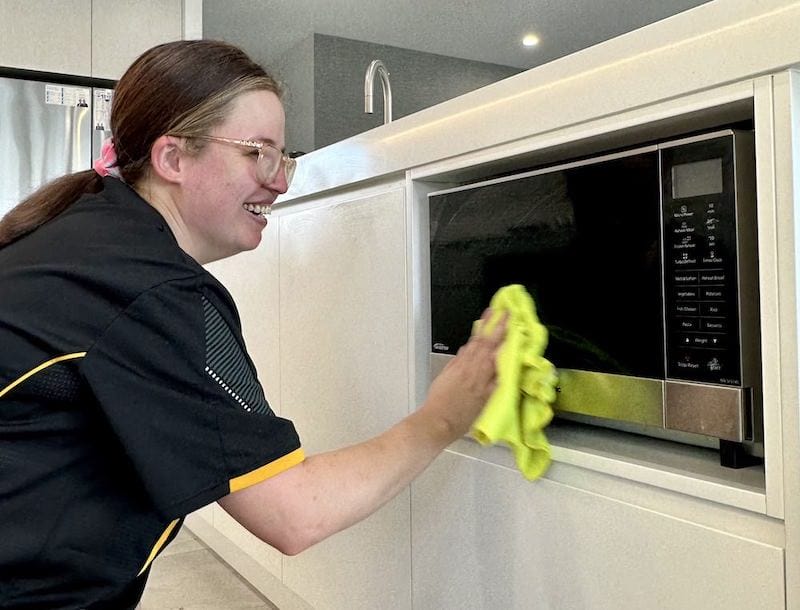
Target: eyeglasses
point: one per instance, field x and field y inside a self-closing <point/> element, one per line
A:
<point x="270" y="158"/>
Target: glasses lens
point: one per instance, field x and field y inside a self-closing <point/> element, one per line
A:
<point x="289" y="166"/>
<point x="269" y="163"/>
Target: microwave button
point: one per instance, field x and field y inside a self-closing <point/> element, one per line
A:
<point x="684" y="243"/>
<point x="687" y="293"/>
<point x="688" y="324"/>
<point x="687" y="277"/>
<point x="713" y="277"/>
<point x="683" y="228"/>
<point x="717" y="341"/>
<point x="714" y="325"/>
<point x="687" y="309"/>
<point x="685" y="258"/>
<point x="701" y="341"/>
<point x="712" y="294"/>
<point x="683" y="212"/>
<point x="713" y="309"/>
<point x="687" y="362"/>
<point x="713" y="257"/>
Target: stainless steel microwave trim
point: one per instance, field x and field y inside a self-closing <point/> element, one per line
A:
<point x="609" y="396"/>
<point x="747" y="260"/>
<point x="617" y="397"/>
<point x="438" y="362"/>
<point x="590" y="161"/>
<point x="548" y="170"/>
<point x="698" y="138"/>
<point x="718" y="411"/>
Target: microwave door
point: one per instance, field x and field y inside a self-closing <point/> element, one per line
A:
<point x="584" y="240"/>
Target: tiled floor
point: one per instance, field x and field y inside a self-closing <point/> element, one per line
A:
<point x="189" y="576"/>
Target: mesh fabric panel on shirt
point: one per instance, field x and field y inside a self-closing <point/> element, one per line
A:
<point x="227" y="364"/>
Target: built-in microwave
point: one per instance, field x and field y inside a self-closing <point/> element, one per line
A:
<point x="643" y="267"/>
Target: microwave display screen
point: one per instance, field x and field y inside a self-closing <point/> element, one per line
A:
<point x="584" y="240"/>
<point x="698" y="178"/>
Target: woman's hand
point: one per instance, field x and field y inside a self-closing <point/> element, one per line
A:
<point x="461" y="390"/>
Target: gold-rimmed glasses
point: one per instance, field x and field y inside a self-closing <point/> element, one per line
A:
<point x="270" y="158"/>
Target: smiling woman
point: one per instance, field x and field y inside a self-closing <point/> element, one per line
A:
<point x="122" y="245"/>
<point x="123" y="368"/>
<point x="207" y="186"/>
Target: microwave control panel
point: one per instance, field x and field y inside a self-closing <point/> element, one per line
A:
<point x="700" y="262"/>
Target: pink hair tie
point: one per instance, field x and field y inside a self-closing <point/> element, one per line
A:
<point x="106" y="164"/>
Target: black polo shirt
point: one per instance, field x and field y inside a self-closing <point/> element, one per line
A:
<point x="127" y="400"/>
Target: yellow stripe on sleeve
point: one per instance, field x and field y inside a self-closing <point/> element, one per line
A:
<point x="158" y="545"/>
<point x="268" y="470"/>
<point x="38" y="369"/>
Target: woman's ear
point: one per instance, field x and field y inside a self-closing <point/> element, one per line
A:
<point x="168" y="159"/>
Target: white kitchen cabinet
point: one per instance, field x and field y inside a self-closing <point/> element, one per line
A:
<point x="46" y="35"/>
<point x="344" y="377"/>
<point x="98" y="38"/>
<point x="121" y="31"/>
<point x="483" y="538"/>
<point x="323" y="304"/>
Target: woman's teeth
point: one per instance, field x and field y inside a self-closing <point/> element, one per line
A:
<point x="263" y="210"/>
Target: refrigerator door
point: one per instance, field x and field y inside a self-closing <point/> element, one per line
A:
<point x="45" y="132"/>
<point x="101" y="118"/>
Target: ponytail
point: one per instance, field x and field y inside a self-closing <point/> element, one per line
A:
<point x="47" y="203"/>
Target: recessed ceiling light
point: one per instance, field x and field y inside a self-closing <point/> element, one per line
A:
<point x="530" y="40"/>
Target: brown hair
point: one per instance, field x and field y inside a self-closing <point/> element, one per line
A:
<point x="181" y="87"/>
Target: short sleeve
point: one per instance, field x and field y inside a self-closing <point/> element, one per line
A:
<point x="173" y="379"/>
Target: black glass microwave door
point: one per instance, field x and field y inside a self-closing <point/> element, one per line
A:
<point x="585" y="243"/>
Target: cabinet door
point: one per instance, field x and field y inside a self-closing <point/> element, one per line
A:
<point x="46" y="35"/>
<point x="484" y="538"/>
<point x="121" y="31"/>
<point x="344" y="378"/>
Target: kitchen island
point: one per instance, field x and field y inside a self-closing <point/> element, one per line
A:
<point x="334" y="309"/>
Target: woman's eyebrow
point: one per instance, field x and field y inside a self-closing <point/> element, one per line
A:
<point x="268" y="141"/>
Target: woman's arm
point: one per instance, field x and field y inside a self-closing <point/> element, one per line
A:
<point x="331" y="491"/>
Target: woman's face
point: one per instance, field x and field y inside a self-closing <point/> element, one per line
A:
<point x="222" y="180"/>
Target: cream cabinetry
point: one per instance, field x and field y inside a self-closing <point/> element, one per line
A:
<point x="483" y="538"/>
<point x="46" y="35"/>
<point x="344" y="371"/>
<point x="96" y="38"/>
<point x="323" y="302"/>
<point x="121" y="31"/>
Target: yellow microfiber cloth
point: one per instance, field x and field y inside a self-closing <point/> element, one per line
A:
<point x="519" y="409"/>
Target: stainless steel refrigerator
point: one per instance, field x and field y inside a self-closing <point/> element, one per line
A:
<point x="47" y="129"/>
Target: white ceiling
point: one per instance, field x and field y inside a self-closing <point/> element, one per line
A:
<point x="482" y="30"/>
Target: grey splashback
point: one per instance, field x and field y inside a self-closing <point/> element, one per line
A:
<point x="325" y="104"/>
